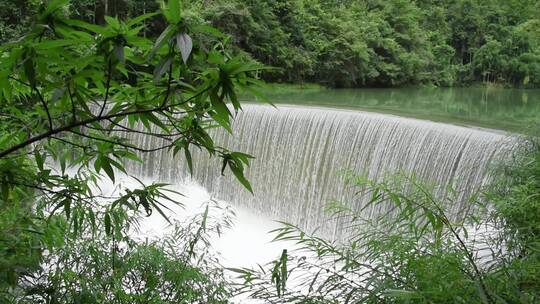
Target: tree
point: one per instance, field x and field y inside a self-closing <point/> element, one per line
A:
<point x="348" y="43"/>
<point x="71" y="94"/>
<point x="177" y="267"/>
<point x="15" y="17"/>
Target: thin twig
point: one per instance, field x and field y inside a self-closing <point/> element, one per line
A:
<point x="122" y="144"/>
<point x="91" y="120"/>
<point x="44" y="104"/>
<point x="109" y="76"/>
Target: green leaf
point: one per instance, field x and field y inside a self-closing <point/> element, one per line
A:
<point x="116" y="164"/>
<point x="188" y="159"/>
<point x="164" y="37"/>
<point x="92" y="218"/>
<point x="67" y="207"/>
<point x="139" y="42"/>
<point x="113" y="22"/>
<point x="223" y="122"/>
<point x="224" y="165"/>
<point x="279" y="273"/>
<point x="29" y="70"/>
<point x="482" y="291"/>
<point x="5" y="191"/>
<point x="160" y="211"/>
<point x="174" y="11"/>
<point x="63" y="162"/>
<point x="283" y="261"/>
<point x="90" y="27"/>
<point x="240" y="271"/>
<point x="243" y="157"/>
<point x="51" y="44"/>
<point x="215" y="58"/>
<point x="239" y="174"/>
<point x="97" y="164"/>
<point x="151" y="117"/>
<point x="107" y="220"/>
<point x="161" y="68"/>
<point x="134" y="31"/>
<point x="140" y="19"/>
<point x="132" y="156"/>
<point x="209" y="30"/>
<point x="54" y="5"/>
<point x="221" y="110"/>
<point x="40" y="160"/>
<point x="105" y="164"/>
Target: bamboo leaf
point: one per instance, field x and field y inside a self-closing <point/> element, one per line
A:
<point x="164" y="37"/>
<point x="161" y="68"/>
<point x="105" y="164"/>
<point x="188" y="159"/>
<point x="107" y="220"/>
<point x="140" y="19"/>
<point x="89" y="27"/>
<point x="113" y="22"/>
<point x="184" y="45"/>
<point x="240" y="177"/>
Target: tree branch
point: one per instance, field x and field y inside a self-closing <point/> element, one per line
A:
<point x="73" y="111"/>
<point x="109" y="76"/>
<point x="88" y="121"/>
<point x="168" y="92"/>
<point x="123" y="144"/>
<point x="123" y="129"/>
<point x="44" y="104"/>
<point x="84" y="147"/>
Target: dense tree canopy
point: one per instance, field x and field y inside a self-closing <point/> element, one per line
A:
<point x="356" y="43"/>
<point x="388" y="42"/>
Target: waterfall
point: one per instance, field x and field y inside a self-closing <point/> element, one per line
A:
<point x="298" y="152"/>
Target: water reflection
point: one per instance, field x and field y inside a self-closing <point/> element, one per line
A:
<point x="506" y="109"/>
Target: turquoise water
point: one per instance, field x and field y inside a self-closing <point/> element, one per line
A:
<point x="496" y="108"/>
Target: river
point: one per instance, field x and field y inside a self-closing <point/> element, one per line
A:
<point x="488" y="107"/>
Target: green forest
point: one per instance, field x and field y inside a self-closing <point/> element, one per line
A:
<point x="371" y="43"/>
<point x="94" y="93"/>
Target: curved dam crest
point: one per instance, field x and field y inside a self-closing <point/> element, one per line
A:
<point x="300" y="150"/>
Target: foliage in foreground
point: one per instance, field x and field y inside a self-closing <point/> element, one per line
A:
<point x="178" y="267"/>
<point x="418" y="251"/>
<point x="516" y="200"/>
<point x="71" y="93"/>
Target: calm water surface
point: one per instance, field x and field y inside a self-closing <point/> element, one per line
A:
<point x="497" y="108"/>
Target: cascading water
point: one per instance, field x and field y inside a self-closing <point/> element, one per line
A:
<point x="300" y="150"/>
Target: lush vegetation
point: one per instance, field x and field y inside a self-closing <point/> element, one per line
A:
<point x="71" y="93"/>
<point x="76" y="83"/>
<point x="418" y="250"/>
<point x="345" y="43"/>
<point x="179" y="267"/>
